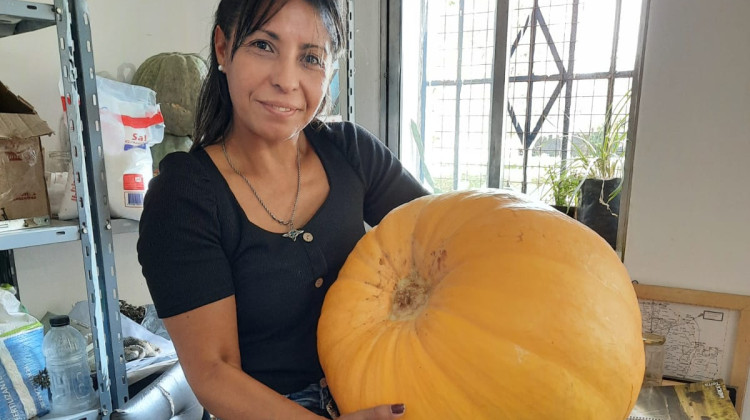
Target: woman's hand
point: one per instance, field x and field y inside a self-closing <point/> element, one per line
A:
<point x="380" y="412"/>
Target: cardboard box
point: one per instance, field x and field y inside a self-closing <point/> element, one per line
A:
<point x="23" y="191"/>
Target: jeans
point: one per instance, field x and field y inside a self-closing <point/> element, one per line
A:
<point x="316" y="398"/>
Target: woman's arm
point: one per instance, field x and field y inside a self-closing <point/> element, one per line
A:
<point x="208" y="349"/>
<point x="387" y="183"/>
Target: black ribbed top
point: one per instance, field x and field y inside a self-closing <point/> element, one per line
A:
<point x="196" y="246"/>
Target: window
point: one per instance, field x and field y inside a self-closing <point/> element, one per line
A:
<point x="447" y="64"/>
<point x="569" y="66"/>
<point x="574" y="90"/>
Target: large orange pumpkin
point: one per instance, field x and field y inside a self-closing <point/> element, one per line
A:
<point x="483" y="305"/>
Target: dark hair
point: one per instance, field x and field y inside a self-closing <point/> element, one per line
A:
<point x="238" y="19"/>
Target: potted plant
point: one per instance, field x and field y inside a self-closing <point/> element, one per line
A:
<point x="562" y="184"/>
<point x="600" y="155"/>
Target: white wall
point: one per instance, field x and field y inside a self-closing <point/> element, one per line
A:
<point x="51" y="277"/>
<point x="688" y="223"/>
<point x="367" y="76"/>
<point x="124" y="34"/>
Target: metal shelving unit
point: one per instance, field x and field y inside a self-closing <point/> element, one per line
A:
<point x="56" y="232"/>
<point x="94" y="228"/>
<point x="17" y="17"/>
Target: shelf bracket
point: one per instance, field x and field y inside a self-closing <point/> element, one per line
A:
<point x="82" y="115"/>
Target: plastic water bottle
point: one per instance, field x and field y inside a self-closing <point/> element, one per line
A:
<point x="67" y="365"/>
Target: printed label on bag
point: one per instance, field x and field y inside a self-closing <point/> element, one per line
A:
<point x="134" y="199"/>
<point x="137" y="130"/>
<point x="135" y="138"/>
<point x="133" y="182"/>
<point x="134" y="190"/>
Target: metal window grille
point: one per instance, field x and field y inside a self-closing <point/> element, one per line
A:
<point x="458" y="41"/>
<point x="558" y="90"/>
<point x="562" y="90"/>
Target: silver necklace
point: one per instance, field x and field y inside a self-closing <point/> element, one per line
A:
<point x="293" y="233"/>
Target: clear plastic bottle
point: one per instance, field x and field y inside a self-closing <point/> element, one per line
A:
<point x="654" y="347"/>
<point x="70" y="379"/>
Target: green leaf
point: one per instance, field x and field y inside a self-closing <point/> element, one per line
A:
<point x="420" y="148"/>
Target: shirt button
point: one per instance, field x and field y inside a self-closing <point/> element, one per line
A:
<point x="307" y="237"/>
<point x="319" y="282"/>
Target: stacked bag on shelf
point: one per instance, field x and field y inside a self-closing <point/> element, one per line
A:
<point x="140" y="123"/>
<point x="131" y="122"/>
<point x="22" y="389"/>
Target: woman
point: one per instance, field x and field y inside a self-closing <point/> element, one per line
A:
<point x="241" y="238"/>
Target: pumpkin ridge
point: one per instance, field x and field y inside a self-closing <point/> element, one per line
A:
<point x="390" y="257"/>
<point x="512" y="334"/>
<point x="371" y="354"/>
<point x="436" y="369"/>
<point x="468" y="393"/>
<point x="355" y="352"/>
<point x="558" y="359"/>
<point x="448" y="222"/>
<point x="345" y="278"/>
<point x="509" y="389"/>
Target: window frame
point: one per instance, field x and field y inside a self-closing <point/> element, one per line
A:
<point x="390" y="121"/>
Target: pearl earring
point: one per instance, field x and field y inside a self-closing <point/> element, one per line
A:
<point x="221" y="68"/>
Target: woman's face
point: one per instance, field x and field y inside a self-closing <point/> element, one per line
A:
<point x="278" y="77"/>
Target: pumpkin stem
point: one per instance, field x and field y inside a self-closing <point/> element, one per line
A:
<point x="410" y="297"/>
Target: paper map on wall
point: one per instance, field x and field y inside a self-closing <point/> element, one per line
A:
<point x="700" y="340"/>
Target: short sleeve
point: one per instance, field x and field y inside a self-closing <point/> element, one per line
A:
<point x="179" y="247"/>
<point x="388" y="184"/>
